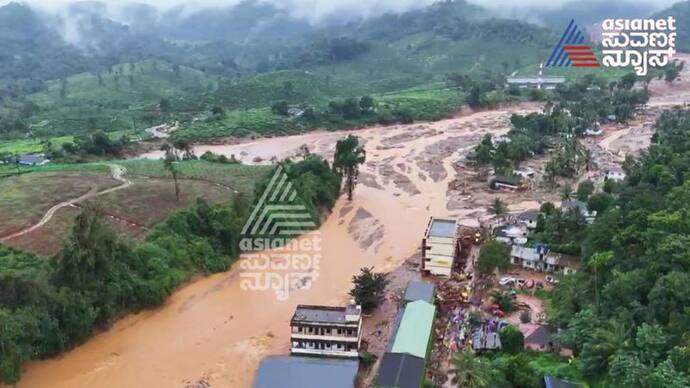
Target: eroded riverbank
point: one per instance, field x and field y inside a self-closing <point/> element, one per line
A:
<point x="212" y="330"/>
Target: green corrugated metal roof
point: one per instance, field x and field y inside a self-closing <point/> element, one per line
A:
<point x="415" y="328"/>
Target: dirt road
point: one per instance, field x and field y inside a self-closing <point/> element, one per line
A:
<point x="117" y="173"/>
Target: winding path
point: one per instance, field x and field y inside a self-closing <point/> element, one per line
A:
<point x="117" y="171"/>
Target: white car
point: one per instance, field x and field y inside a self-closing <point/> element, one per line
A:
<point x="507" y="281"/>
<point x="551" y="279"/>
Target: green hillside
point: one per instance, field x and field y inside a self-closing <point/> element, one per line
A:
<point x="681" y="11"/>
<point x="321" y="68"/>
<point x="126" y="97"/>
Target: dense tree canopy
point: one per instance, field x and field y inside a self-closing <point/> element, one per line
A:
<point x="50" y="305"/>
<point x="636" y="257"/>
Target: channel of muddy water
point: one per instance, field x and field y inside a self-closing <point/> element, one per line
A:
<point x="213" y="330"/>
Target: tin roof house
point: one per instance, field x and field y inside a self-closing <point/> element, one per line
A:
<point x="33" y="160"/>
<point x="404" y="363"/>
<point x="528" y="218"/>
<point x="400" y="370"/>
<point x="418" y="290"/>
<point x="305" y="372"/>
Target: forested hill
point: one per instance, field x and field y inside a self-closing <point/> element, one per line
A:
<point x="589" y="12"/>
<point x="681" y="11"/>
<point x="30" y="49"/>
<point x="79" y="70"/>
<point x="255" y="36"/>
<point x="248" y="37"/>
<point x="627" y="313"/>
<point x="38" y="46"/>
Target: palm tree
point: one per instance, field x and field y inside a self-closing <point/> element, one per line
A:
<point x="566" y="192"/>
<point x="469" y="371"/>
<point x="550" y="172"/>
<point x="348" y="156"/>
<point x="596" y="262"/>
<point x="169" y="161"/>
<point x="588" y="159"/>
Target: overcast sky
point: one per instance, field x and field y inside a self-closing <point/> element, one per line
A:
<point x="313" y="9"/>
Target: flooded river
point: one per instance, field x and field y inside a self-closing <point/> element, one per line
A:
<point x="213" y="330"/>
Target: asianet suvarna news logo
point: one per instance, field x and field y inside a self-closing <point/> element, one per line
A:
<point x="640" y="43"/>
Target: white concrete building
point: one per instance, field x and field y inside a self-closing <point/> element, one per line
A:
<point x="535" y="82"/>
<point x="615" y="175"/>
<point x="440" y="247"/>
<point x="326" y="331"/>
<point x="597" y="131"/>
<point x="511" y="234"/>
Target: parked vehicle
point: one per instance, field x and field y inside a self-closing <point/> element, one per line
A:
<point x="507" y="281"/>
<point x="551" y="279"/>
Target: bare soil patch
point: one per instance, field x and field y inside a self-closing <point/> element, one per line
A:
<point x="151" y="201"/>
<point x="25" y="198"/>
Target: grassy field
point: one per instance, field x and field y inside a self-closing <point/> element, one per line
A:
<point x="131" y="211"/>
<point x="47" y="240"/>
<point x="32" y="146"/>
<point x="29" y="146"/>
<point x="25" y="198"/>
<point x="236" y="176"/>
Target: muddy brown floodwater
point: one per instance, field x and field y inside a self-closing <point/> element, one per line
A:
<point x="211" y="330"/>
